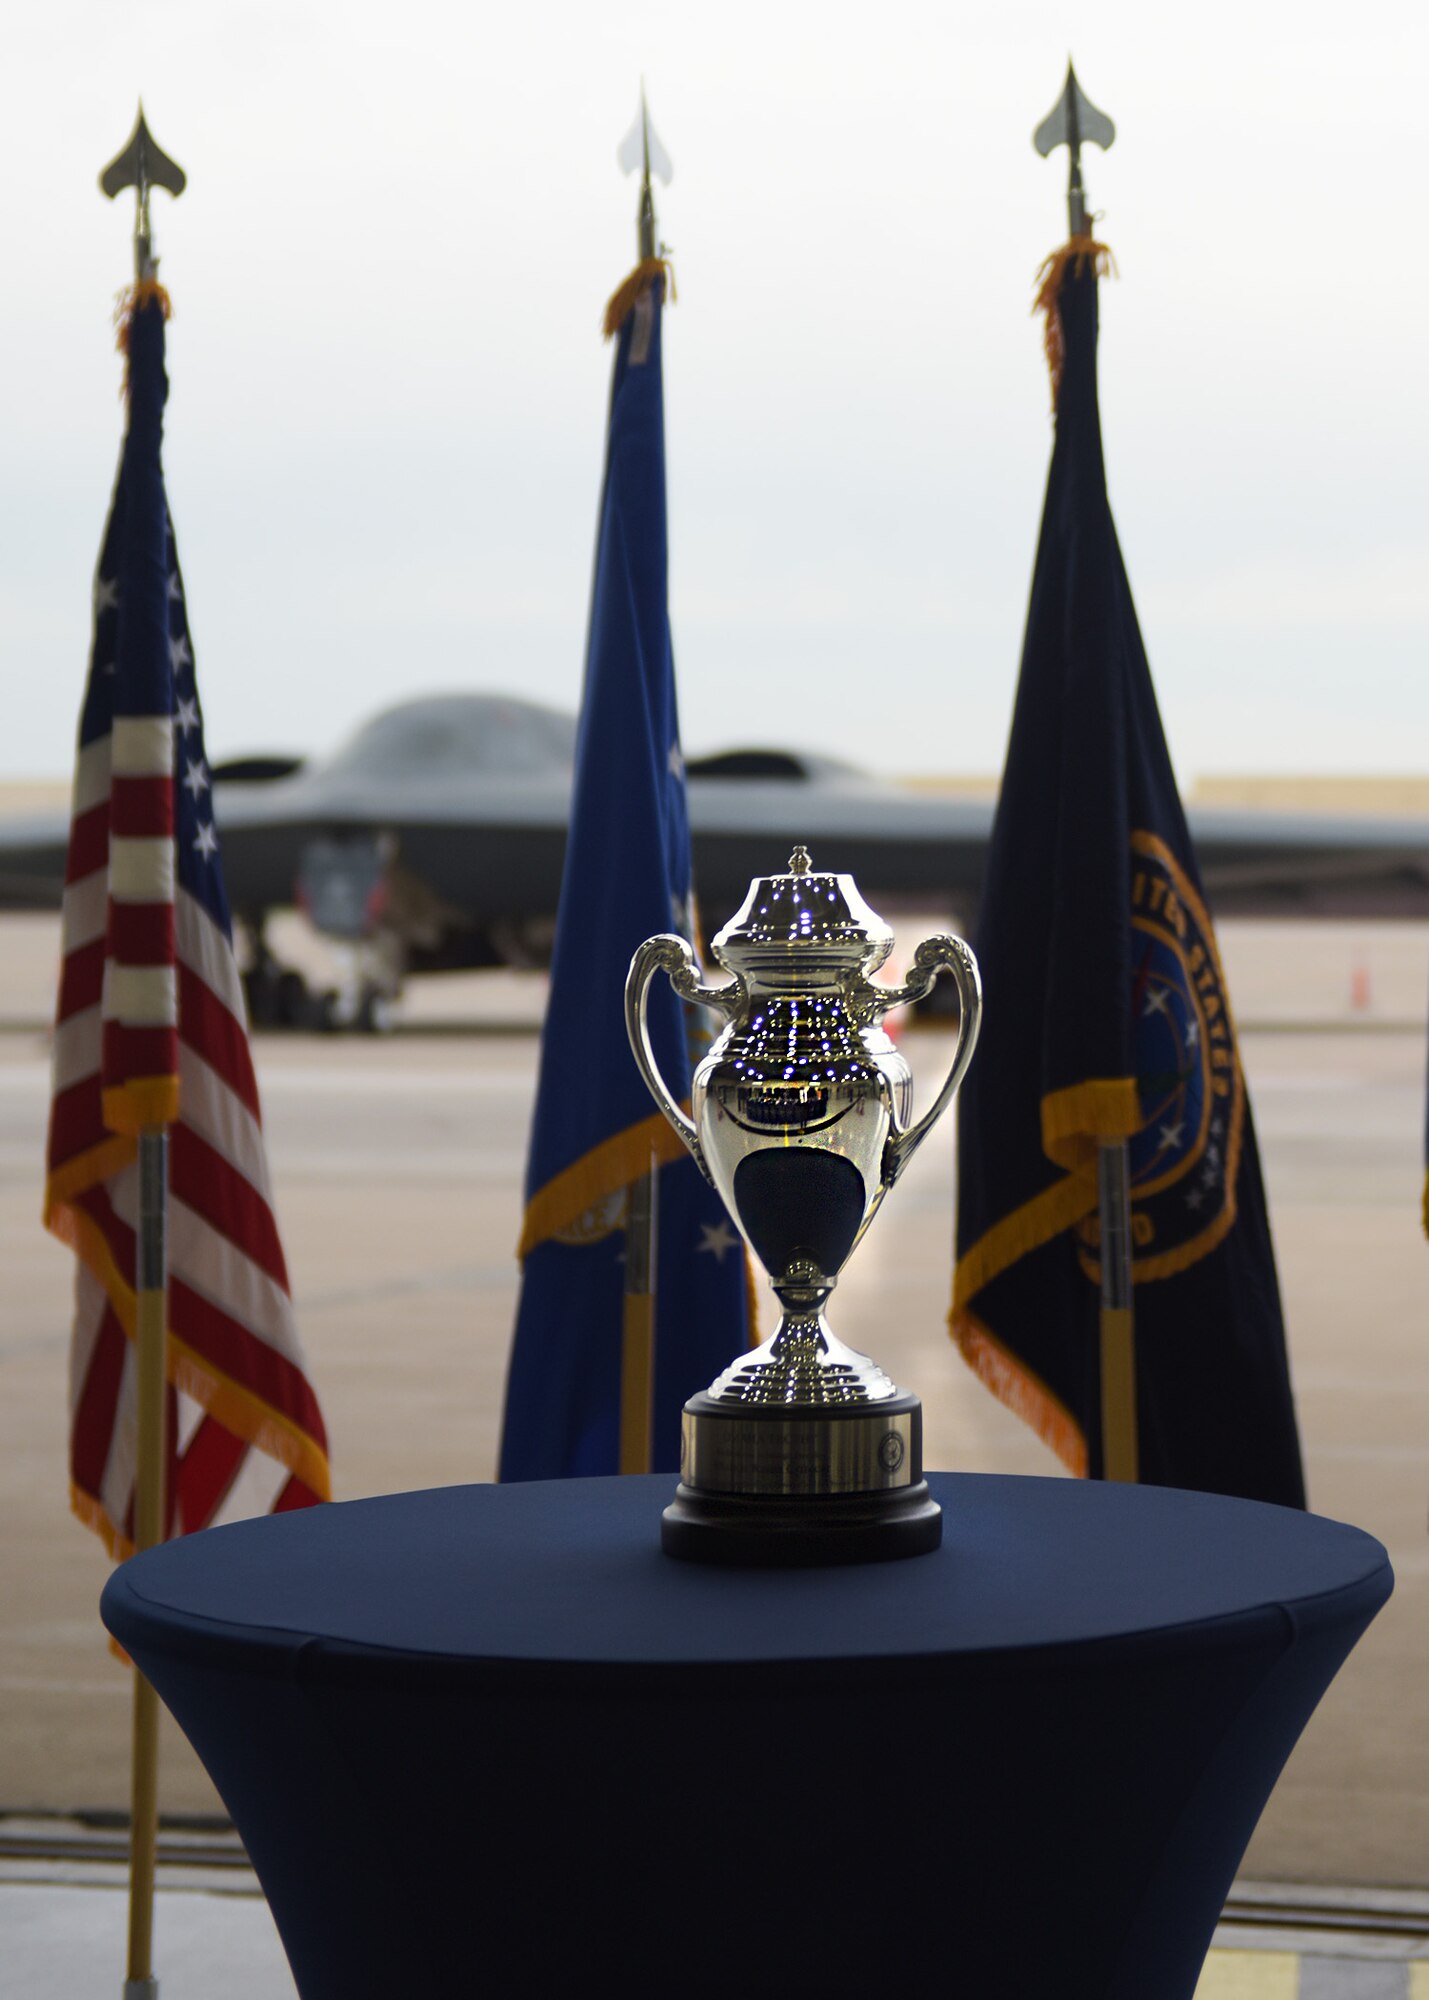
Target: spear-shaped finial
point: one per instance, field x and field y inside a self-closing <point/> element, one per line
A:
<point x="641" y="148"/>
<point x="142" y="166"/>
<point x="1073" y="122"/>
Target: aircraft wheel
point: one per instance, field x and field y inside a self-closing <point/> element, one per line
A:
<point x="327" y="1011"/>
<point x="374" y="1012"/>
<point x="261" y="988"/>
<point x="293" y="1008"/>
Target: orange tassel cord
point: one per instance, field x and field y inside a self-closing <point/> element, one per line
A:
<point x="1049" y="281"/>
<point x="133" y="299"/>
<point x="622" y="300"/>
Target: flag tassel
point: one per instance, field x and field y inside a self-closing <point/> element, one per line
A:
<point x="1117" y="1326"/>
<point x="621" y="303"/>
<point x="151" y="1289"/>
<point x="1049" y="296"/>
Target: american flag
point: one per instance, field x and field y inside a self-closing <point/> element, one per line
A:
<point x="150" y="1031"/>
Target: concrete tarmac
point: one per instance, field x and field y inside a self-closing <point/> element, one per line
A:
<point x="398" y="1163"/>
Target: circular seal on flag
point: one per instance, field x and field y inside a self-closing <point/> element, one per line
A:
<point x="1186" y="1155"/>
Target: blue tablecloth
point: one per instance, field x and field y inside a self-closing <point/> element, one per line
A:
<point x="490" y="1738"/>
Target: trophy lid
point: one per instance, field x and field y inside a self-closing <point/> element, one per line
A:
<point x="803" y="915"/>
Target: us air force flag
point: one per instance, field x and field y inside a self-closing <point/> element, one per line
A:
<point x="596" y="1131"/>
<point x="1108" y="1019"/>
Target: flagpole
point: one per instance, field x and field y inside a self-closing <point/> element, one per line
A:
<point x="637" y="1345"/>
<point x="645" y="225"/>
<point x="642" y="1235"/>
<point x="151" y="1289"/>
<point x="142" y="165"/>
<point x="1118" y="1325"/>
<point x="1072" y="122"/>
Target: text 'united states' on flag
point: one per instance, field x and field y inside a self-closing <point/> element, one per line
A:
<point x="150" y="1032"/>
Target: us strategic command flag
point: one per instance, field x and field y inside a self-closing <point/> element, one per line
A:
<point x="150" y="1031"/>
<point x="1108" y="1019"/>
<point x="596" y="1131"/>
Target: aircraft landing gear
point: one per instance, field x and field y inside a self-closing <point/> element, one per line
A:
<point x="363" y="1002"/>
<point x="367" y="1012"/>
<point x="277" y="996"/>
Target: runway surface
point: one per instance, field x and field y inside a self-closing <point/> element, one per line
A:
<point x="398" y="1164"/>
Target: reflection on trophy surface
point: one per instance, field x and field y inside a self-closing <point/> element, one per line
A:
<point x="802" y="1451"/>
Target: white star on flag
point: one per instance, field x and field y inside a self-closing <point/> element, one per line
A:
<point x="1193" y="1032"/>
<point x="676" y="761"/>
<point x="717" y="1238"/>
<point x="196" y="778"/>
<point x="179" y="654"/>
<point x="1156" y="998"/>
<point x="186" y="715"/>
<point x="1171" y="1136"/>
<point x="206" y="840"/>
<point x="175" y="593"/>
<point x="106" y="594"/>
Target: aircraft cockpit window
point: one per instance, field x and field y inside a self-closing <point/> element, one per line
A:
<point x="459" y="735"/>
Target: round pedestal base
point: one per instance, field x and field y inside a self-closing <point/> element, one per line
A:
<point x="800" y="1484"/>
<point x="761" y="1533"/>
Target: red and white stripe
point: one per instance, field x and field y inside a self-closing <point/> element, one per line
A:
<point x="139" y="1003"/>
<point x="145" y="970"/>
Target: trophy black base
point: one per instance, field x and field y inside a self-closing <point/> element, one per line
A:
<point x="780" y="1486"/>
<point x="800" y="1534"/>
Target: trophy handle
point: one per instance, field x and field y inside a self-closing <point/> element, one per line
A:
<point x="670" y="954"/>
<point x="932" y="955"/>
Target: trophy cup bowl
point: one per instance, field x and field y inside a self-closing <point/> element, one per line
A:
<point x="802" y="1451"/>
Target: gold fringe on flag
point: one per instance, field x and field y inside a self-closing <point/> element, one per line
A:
<point x="601" y="1172"/>
<point x="238" y="1408"/>
<point x="1049" y="283"/>
<point x="622" y="300"/>
<point x="1020" y="1390"/>
<point x="1061" y="1206"/>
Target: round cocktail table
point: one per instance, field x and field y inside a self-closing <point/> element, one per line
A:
<point x="490" y="1739"/>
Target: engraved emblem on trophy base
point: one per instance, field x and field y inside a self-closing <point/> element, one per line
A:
<point x="802" y="1451"/>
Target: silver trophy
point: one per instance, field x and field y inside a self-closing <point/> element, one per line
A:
<point x="802" y="1451"/>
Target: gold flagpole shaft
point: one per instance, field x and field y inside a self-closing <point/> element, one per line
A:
<point x="637" y="1347"/>
<point x="1120" y="1458"/>
<point x="151" y="1289"/>
<point x="143" y="1841"/>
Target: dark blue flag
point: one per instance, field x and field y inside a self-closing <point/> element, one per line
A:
<point x="593" y="1387"/>
<point x="1107" y="1019"/>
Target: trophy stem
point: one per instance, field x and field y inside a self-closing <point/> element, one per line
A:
<point x="805" y="1365"/>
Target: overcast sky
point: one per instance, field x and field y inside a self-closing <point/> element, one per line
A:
<point x="388" y="385"/>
